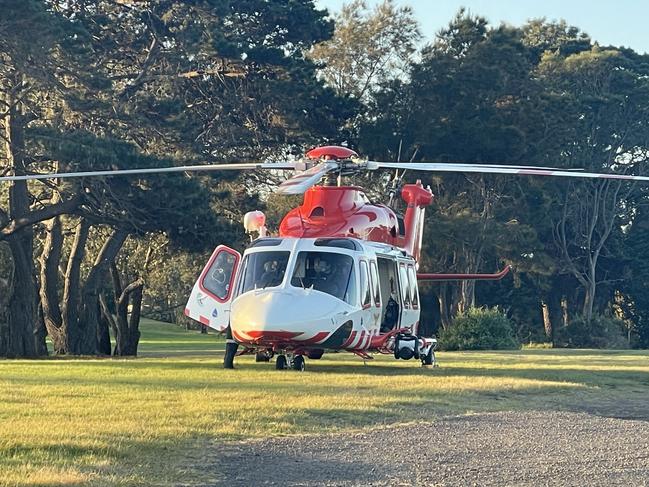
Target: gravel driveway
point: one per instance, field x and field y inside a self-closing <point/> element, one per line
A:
<point x="509" y="448"/>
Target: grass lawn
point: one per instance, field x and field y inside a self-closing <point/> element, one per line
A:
<point x="146" y="421"/>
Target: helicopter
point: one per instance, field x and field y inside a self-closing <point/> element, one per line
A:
<point x="341" y="275"/>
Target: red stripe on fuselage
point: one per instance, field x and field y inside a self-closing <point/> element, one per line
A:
<point x="273" y="335"/>
<point x="350" y="340"/>
<point x="281" y="339"/>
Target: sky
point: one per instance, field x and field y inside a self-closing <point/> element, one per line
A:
<point x="609" y="22"/>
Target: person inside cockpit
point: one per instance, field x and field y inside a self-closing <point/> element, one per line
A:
<point x="273" y="274"/>
<point x="391" y="310"/>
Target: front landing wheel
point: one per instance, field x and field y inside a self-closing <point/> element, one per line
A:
<point x="281" y="362"/>
<point x="298" y="363"/>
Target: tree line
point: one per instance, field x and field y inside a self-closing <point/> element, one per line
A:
<point x="116" y="84"/>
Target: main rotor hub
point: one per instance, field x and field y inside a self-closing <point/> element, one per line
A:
<point x="331" y="152"/>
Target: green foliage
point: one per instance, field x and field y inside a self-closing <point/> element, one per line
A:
<point x="600" y="332"/>
<point x="634" y="288"/>
<point x="368" y="48"/>
<point x="479" y="329"/>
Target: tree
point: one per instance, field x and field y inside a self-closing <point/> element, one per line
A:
<point x="368" y="48"/>
<point x="636" y="302"/>
<point x="466" y="101"/>
<point x="603" y="94"/>
<point x="37" y="66"/>
<point x="180" y="82"/>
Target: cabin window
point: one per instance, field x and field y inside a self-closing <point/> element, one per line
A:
<point x="341" y="243"/>
<point x="366" y="296"/>
<point x="327" y="272"/>
<point x="414" y="293"/>
<point x="376" y="290"/>
<point x="266" y="242"/>
<point x="217" y="279"/>
<point x="405" y="286"/>
<point x="261" y="270"/>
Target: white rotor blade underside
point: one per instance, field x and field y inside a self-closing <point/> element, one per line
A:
<point x="299" y="183"/>
<point x="154" y="170"/>
<point x="485" y="169"/>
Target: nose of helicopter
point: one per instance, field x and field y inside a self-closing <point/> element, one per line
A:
<point x="282" y="315"/>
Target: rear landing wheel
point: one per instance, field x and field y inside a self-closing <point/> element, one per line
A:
<point x="298" y="363"/>
<point x="429" y="358"/>
<point x="281" y="362"/>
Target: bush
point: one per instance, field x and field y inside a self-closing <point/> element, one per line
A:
<point x="600" y="332"/>
<point x="479" y="329"/>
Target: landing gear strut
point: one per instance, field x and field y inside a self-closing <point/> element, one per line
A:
<point x="230" y="350"/>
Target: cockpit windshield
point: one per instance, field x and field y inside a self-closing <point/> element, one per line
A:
<point x="262" y="269"/>
<point x="329" y="272"/>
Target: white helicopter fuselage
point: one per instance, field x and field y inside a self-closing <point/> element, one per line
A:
<point x="300" y="295"/>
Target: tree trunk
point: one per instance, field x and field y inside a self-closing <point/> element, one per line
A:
<point x="89" y="316"/>
<point x="565" y="311"/>
<point x="547" y="322"/>
<point x="127" y="332"/>
<point x="21" y="315"/>
<point x="444" y="306"/>
<point x="134" y="320"/>
<point x="103" y="333"/>
<point x="5" y="293"/>
<point x="73" y="332"/>
<point x="589" y="300"/>
<point x="50" y="260"/>
<point x="40" y="334"/>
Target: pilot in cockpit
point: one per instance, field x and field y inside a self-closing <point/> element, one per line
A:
<point x="273" y="274"/>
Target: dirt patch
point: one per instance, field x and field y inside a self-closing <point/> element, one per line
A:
<point x="508" y="448"/>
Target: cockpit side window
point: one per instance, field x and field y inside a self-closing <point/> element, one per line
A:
<point x="412" y="278"/>
<point x="328" y="272"/>
<point x="366" y="294"/>
<point x="261" y="270"/>
<point x="217" y="279"/>
<point x="376" y="290"/>
<point x="405" y="285"/>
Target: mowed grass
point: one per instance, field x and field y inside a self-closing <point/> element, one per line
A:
<point x="150" y="420"/>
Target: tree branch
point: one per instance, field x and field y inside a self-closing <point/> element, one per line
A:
<point x="10" y="227"/>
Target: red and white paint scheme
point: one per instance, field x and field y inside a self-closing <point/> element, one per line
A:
<point x="341" y="275"/>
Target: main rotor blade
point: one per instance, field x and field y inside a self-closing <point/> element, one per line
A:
<point x="153" y="170"/>
<point x="299" y="183"/>
<point x="485" y="169"/>
<point x="509" y="166"/>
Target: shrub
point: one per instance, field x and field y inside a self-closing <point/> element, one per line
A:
<point x="479" y="329"/>
<point x="600" y="332"/>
